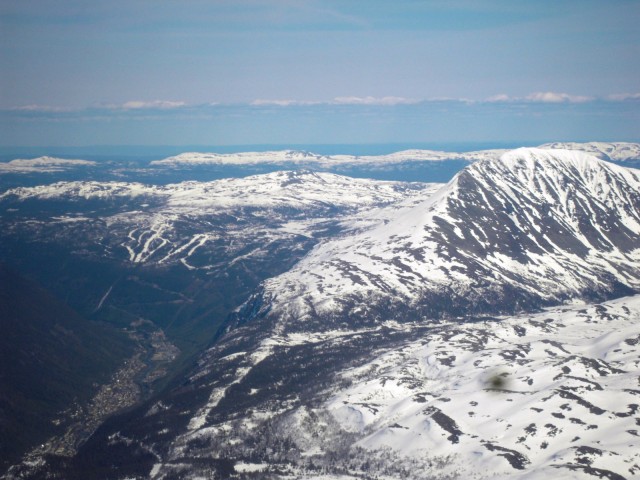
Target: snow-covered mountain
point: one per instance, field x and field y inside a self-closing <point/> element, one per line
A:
<point x="391" y="350"/>
<point x="553" y="394"/>
<point x="189" y="221"/>
<point x="316" y="376"/>
<point x="535" y="227"/>
<point x="323" y="161"/>
<point x="290" y="189"/>
<point x="42" y="165"/>
<point x="615" y="151"/>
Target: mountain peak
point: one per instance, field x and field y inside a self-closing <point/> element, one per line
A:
<point x="532" y="159"/>
<point x="553" y="176"/>
<point x="534" y="228"/>
<point x="616" y="151"/>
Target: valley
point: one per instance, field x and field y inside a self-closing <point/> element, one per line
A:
<point x="303" y="324"/>
<point x="130" y="384"/>
<point x="319" y="240"/>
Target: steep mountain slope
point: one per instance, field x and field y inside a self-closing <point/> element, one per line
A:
<point x="50" y="360"/>
<point x="181" y="255"/>
<point x="554" y="394"/>
<point x="383" y="352"/>
<point x="533" y="228"/>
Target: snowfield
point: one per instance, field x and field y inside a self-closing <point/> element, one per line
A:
<point x="42" y="165"/>
<point x="617" y="151"/>
<point x="486" y="328"/>
<point x="553" y="394"/>
<point x="552" y="224"/>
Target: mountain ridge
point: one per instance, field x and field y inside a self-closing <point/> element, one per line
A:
<point x="497" y="224"/>
<point x="616" y="151"/>
<point x="373" y="342"/>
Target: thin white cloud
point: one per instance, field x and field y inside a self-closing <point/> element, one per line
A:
<point x="138" y="108"/>
<point x="447" y="99"/>
<point x="621" y="97"/>
<point x="535" y="97"/>
<point x="374" y="101"/>
<point x="501" y="97"/>
<point x="555" y="97"/>
<point x="281" y="103"/>
<point x="540" y="97"/>
<point x="352" y="100"/>
<point x="42" y="108"/>
<point x="154" y="104"/>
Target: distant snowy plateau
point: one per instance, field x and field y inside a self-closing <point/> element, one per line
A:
<point x="617" y="151"/>
<point x="620" y="152"/>
<point x="484" y="328"/>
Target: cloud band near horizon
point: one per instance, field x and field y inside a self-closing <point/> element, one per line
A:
<point x="390" y="101"/>
<point x="541" y="117"/>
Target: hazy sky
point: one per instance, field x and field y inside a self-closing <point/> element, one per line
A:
<point x="77" y="72"/>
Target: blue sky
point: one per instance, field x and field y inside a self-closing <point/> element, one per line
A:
<point x="225" y="72"/>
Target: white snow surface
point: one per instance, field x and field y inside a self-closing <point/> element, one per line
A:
<point x="85" y="190"/>
<point x="546" y="221"/>
<point x="569" y="391"/>
<point x="303" y="157"/>
<point x="172" y="223"/>
<point x="553" y="394"/>
<point x="283" y="188"/>
<point x="42" y="165"/>
<point x="617" y="151"/>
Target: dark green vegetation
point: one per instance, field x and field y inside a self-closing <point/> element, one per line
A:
<point x="93" y="255"/>
<point x="188" y="305"/>
<point x="85" y="265"/>
<point x="51" y="358"/>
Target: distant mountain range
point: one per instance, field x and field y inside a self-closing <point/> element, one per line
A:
<point x="352" y="328"/>
<point x="42" y="164"/>
<point x="617" y="151"/>
<point x="187" y="221"/>
<point x="622" y="152"/>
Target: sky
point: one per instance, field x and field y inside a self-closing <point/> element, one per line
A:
<point x="230" y="72"/>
